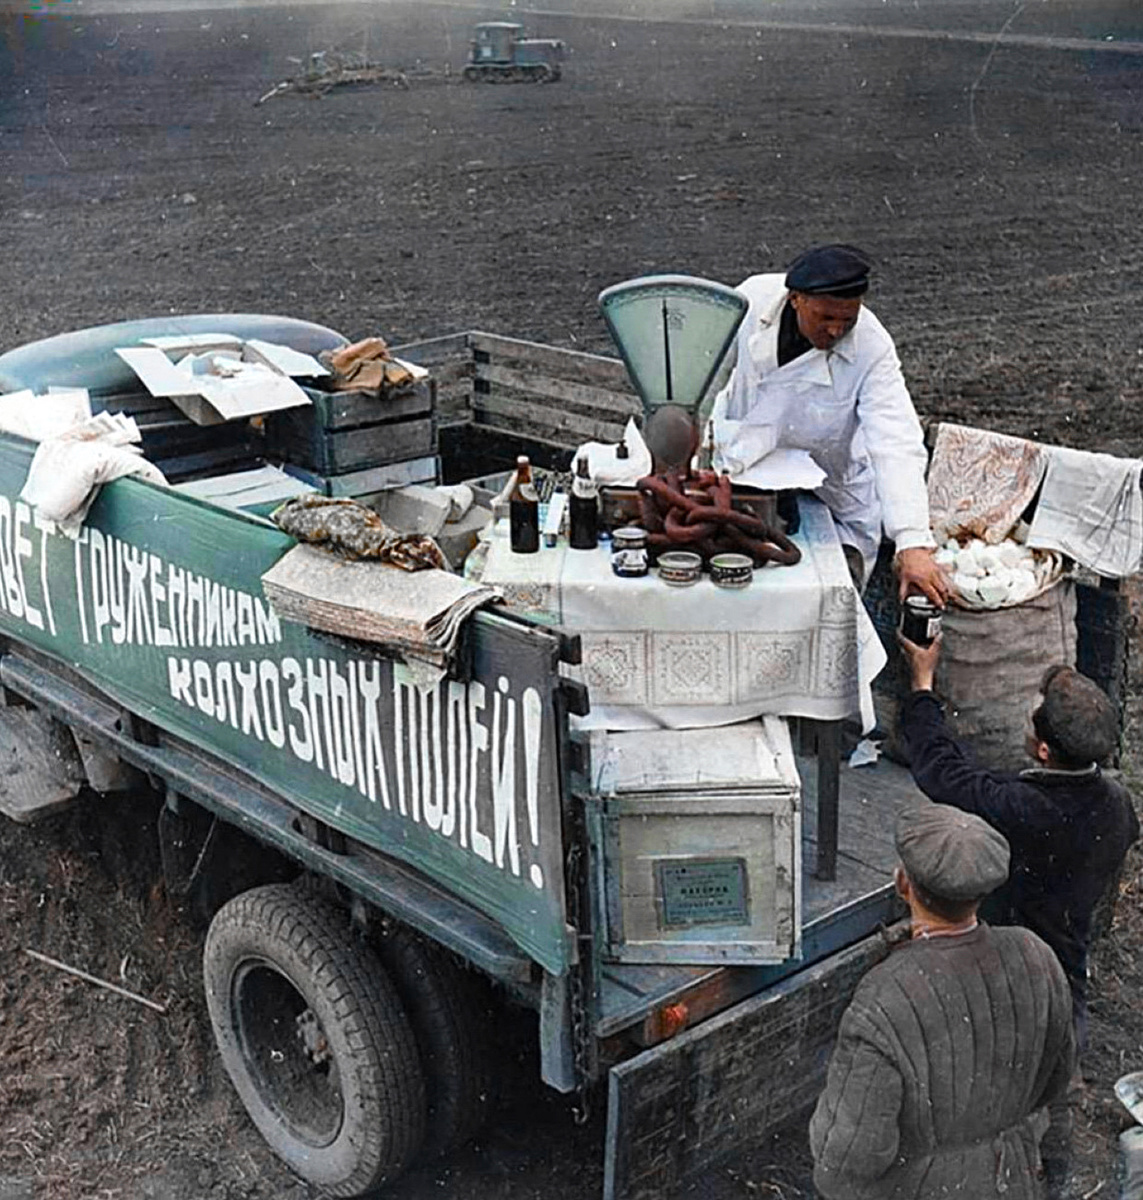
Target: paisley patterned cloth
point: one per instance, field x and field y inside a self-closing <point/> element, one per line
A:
<point x="980" y="482"/>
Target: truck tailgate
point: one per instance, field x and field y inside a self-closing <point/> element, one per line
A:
<point x="682" y="1105"/>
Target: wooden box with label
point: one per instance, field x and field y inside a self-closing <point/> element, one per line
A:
<point x="696" y="836"/>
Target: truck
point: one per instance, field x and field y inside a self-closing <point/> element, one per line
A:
<point x="368" y="850"/>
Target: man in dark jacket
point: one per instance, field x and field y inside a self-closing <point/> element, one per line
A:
<point x="953" y="1046"/>
<point x="1068" y="824"/>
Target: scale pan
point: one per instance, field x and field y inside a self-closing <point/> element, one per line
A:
<point x="673" y="332"/>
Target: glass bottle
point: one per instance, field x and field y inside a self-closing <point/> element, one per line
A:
<point x="583" y="509"/>
<point x="524" y="510"/>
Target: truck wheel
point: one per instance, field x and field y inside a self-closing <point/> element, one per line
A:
<point x="445" y="1008"/>
<point x="314" y="1039"/>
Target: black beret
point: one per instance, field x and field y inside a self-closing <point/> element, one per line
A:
<point x="841" y="271"/>
<point x="953" y="855"/>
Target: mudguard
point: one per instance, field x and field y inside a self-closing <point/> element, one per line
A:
<point x="87" y="358"/>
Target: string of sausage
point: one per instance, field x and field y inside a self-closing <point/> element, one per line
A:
<point x="700" y="516"/>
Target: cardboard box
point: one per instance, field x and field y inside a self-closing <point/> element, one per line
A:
<point x="217" y="381"/>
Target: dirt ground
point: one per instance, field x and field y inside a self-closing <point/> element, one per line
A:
<point x="997" y="183"/>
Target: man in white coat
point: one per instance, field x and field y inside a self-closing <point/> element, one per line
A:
<point x="817" y="371"/>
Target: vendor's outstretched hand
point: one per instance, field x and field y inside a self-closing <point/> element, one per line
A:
<point x="918" y="572"/>
<point x="922" y="661"/>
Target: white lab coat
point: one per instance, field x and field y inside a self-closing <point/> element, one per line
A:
<point x="848" y="407"/>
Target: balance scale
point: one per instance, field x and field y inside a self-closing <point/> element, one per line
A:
<point x="672" y="332"/>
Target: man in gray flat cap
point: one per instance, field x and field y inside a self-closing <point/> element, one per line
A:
<point x="1068" y="823"/>
<point x="816" y="371"/>
<point x="953" y="1047"/>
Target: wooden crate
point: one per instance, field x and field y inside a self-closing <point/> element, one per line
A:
<point x="351" y="431"/>
<point x="529" y="391"/>
<point x="697" y="843"/>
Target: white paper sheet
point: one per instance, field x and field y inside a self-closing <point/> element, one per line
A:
<point x="160" y="376"/>
<point x="197" y="342"/>
<point x="283" y="359"/>
<point x="783" y="469"/>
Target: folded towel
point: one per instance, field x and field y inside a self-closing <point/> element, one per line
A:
<point x="418" y="616"/>
<point x="1091" y="509"/>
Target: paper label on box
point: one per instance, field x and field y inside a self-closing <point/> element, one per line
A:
<point x="703" y="891"/>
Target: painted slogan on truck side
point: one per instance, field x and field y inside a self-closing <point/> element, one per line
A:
<point x="159" y="603"/>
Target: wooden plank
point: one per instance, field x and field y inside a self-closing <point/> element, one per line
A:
<point x="452" y="373"/>
<point x="870" y="798"/>
<point x="209" y="462"/>
<point x="348" y="410"/>
<point x="454" y="404"/>
<point x="591" y="401"/>
<point x="470" y="451"/>
<point x="372" y="479"/>
<point x="428" y="352"/>
<point x="133" y="404"/>
<point x="338" y="451"/>
<point x="681" y="1106"/>
<point x="829" y="751"/>
<point x="165" y="436"/>
<point x="1103" y="619"/>
<point x="572" y="364"/>
<point x="547" y="424"/>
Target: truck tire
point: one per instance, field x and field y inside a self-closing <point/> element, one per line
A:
<point x="315" y="1039"/>
<point x="445" y="1008"/>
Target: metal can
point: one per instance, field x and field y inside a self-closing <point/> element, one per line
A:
<point x="731" y="570"/>
<point x="629" y="552"/>
<point x="920" y="620"/>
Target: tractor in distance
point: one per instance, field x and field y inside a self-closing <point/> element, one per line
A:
<point x="499" y="53"/>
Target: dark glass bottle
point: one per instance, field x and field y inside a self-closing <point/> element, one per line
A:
<point x="583" y="509"/>
<point x="524" y="510"/>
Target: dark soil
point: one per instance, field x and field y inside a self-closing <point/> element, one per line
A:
<point x="997" y="184"/>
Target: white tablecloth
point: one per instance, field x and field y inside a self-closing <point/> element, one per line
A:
<point x="797" y="641"/>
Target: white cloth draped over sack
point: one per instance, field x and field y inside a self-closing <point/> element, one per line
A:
<point x="68" y="469"/>
<point x="1091" y="509"/>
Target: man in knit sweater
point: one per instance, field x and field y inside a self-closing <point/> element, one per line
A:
<point x="1068" y="824"/>
<point x="953" y="1046"/>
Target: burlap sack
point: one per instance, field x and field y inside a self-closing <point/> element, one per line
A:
<point x="989" y="675"/>
<point x="991" y="666"/>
